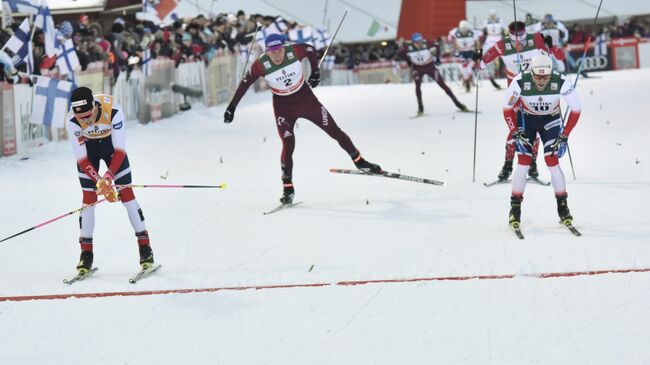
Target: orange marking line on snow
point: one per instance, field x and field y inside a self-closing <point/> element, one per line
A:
<point x="309" y="285"/>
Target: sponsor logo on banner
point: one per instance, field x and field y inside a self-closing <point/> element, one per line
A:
<point x="591" y="63"/>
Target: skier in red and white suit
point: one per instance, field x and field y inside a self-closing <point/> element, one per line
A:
<point x="516" y="51"/>
<point x="281" y="66"/>
<point x="96" y="127"/>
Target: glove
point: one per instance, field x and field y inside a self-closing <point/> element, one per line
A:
<point x="105" y="187"/>
<point x="548" y="41"/>
<point x="437" y="61"/>
<point x="314" y="79"/>
<point x="559" y="146"/>
<point x="522" y="143"/>
<point x="477" y="55"/>
<point x="229" y="115"/>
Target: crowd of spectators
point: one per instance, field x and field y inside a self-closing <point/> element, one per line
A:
<point x="201" y="38"/>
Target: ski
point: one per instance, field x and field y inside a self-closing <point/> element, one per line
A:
<point x="497" y="182"/>
<point x="392" y="175"/>
<point x="530" y="179"/>
<point x="144" y="273"/>
<point x="418" y="116"/>
<point x="538" y="181"/>
<point x="80" y="277"/>
<point x="515" y="227"/>
<point x="280" y="207"/>
<point x="468" y="111"/>
<point x="569" y="224"/>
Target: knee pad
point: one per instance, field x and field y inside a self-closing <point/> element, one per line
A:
<point x="551" y="160"/>
<point x="524" y="159"/>
<point x="127" y="195"/>
<point x="89" y="197"/>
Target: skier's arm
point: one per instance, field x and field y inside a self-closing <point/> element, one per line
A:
<point x="255" y="72"/>
<point x="571" y="97"/>
<point x="118" y="137"/>
<point x="303" y="50"/>
<point x="492" y="54"/>
<point x="78" y="144"/>
<point x="512" y="97"/>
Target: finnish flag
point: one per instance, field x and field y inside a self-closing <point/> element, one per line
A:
<point x="45" y="22"/>
<point x="328" y="62"/>
<point x="50" y="102"/>
<point x="24" y="6"/>
<point x="302" y="35"/>
<point x="66" y="58"/>
<point x="19" y="43"/>
<point x="279" y="25"/>
<point x="321" y="39"/>
<point x="147" y="68"/>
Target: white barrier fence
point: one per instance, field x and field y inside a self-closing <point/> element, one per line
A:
<point x="151" y="98"/>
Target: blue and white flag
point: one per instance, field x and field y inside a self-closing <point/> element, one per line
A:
<point x="19" y="43"/>
<point x="302" y="35"/>
<point x="24" y="6"/>
<point x="50" y="102"/>
<point x="279" y="25"/>
<point x="321" y="39"/>
<point x="66" y="59"/>
<point x="328" y="62"/>
<point x="147" y="67"/>
<point x="45" y="22"/>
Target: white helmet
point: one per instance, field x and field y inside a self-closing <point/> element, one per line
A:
<point x="541" y="65"/>
<point x="463" y="25"/>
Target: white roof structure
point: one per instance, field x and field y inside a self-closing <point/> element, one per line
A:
<point x="563" y="10"/>
<point x="312" y="12"/>
<point x="75" y="6"/>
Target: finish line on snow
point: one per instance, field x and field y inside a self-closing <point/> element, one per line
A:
<point x="308" y="285"/>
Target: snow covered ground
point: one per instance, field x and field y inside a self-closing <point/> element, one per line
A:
<point x="350" y="228"/>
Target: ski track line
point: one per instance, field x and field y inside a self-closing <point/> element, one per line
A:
<point x="310" y="285"/>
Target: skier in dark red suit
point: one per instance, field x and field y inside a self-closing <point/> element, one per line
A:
<point x="292" y="99"/>
<point x="420" y="57"/>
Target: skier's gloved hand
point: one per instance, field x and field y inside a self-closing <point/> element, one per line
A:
<point x="437" y="61"/>
<point x="560" y="145"/>
<point x="105" y="187"/>
<point x="314" y="79"/>
<point x="229" y="115"/>
<point x="522" y="143"/>
<point x="477" y="55"/>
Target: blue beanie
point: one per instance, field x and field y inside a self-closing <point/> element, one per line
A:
<point x="274" y="41"/>
<point x="416" y="37"/>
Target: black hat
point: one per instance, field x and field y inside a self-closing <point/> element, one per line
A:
<point x="82" y="100"/>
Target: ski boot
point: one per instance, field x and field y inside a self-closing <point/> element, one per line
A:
<point x="462" y="107"/>
<point x="506" y="170"/>
<point x="563" y="209"/>
<point x="532" y="171"/>
<point x="85" y="262"/>
<point x="367" y="167"/>
<point x="515" y="211"/>
<point x="146" y="257"/>
<point x="288" y="192"/>
<point x="146" y="254"/>
<point x="420" y="110"/>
